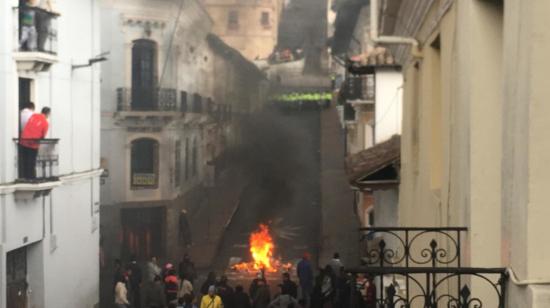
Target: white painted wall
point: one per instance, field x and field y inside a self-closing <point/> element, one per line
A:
<point x="389" y="103"/>
<point x="59" y="230"/>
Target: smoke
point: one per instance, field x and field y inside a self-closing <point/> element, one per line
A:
<point x="278" y="150"/>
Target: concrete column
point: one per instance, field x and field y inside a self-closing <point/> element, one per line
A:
<point x="526" y="148"/>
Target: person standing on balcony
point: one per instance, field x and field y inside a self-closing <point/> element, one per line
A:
<point x="35" y="129"/>
<point x="26" y="114"/>
<point x="28" y="36"/>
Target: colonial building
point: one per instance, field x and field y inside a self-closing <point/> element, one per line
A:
<point x="172" y="99"/>
<point x="49" y="223"/>
<point x="249" y="26"/>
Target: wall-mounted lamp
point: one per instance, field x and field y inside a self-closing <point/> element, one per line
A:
<point x="99" y="58"/>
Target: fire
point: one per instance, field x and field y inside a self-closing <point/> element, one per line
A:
<point x="261" y="249"/>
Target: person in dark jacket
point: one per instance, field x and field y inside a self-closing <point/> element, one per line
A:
<point x="135" y="281"/>
<point x="262" y="298"/>
<point x="241" y="299"/>
<point x="305" y="277"/>
<point x="210" y="281"/>
<point x="153" y="294"/>
<point x="288" y="286"/>
<point x="254" y="285"/>
<point x="187" y="269"/>
<point x="225" y="292"/>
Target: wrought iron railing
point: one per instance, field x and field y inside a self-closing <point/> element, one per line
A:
<point x="158" y="99"/>
<point x="360" y="87"/>
<point x="421" y="267"/>
<point x="37" y="30"/>
<point x="43" y="168"/>
<point x="411" y="246"/>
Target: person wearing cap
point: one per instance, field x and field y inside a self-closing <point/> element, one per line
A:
<point x="171" y="286"/>
<point x="305" y="277"/>
<point x="211" y="300"/>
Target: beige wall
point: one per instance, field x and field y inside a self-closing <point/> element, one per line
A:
<point x="475" y="126"/>
<point x="526" y="171"/>
<point x="251" y="38"/>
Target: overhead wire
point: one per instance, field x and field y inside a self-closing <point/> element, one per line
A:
<point x="170" y="44"/>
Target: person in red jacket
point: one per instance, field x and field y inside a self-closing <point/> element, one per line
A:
<point x="36" y="128"/>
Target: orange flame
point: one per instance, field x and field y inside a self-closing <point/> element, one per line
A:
<point x="261" y="249"/>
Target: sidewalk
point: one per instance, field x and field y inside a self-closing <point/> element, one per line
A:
<point x="209" y="222"/>
<point x="339" y="223"/>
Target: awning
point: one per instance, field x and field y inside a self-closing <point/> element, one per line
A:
<point x="376" y="167"/>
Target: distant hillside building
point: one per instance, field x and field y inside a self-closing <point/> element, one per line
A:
<point x="250" y="26"/>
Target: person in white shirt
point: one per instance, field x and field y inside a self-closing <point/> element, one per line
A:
<point x="26" y="114"/>
<point x="121" y="293"/>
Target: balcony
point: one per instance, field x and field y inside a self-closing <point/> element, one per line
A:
<point x="143" y="100"/>
<point x="360" y="89"/>
<point x="147" y="107"/>
<point x="422" y="267"/>
<point x="36" y="39"/>
<point x="36" y="177"/>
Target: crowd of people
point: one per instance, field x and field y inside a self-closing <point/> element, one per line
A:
<point x="175" y="288"/>
<point x="281" y="55"/>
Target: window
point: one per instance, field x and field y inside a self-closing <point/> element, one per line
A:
<point x="144" y="74"/>
<point x="177" y="161"/>
<point x="371" y="217"/>
<point x="197" y="103"/>
<point x="195" y="157"/>
<point x="144" y="163"/>
<point x="233" y="20"/>
<point x="265" y="20"/>
<point x="186" y="159"/>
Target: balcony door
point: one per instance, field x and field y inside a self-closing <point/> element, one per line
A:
<point x="144" y="74"/>
<point x="16" y="278"/>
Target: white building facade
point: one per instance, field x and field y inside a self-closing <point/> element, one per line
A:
<point x="158" y="126"/>
<point x="49" y="226"/>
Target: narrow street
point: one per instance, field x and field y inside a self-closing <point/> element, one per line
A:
<point x="283" y="190"/>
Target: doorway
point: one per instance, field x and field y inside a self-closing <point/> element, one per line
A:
<point x="143" y="232"/>
<point x="16" y="278"/>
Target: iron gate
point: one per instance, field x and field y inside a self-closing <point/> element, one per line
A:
<point x="421" y="267"/>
